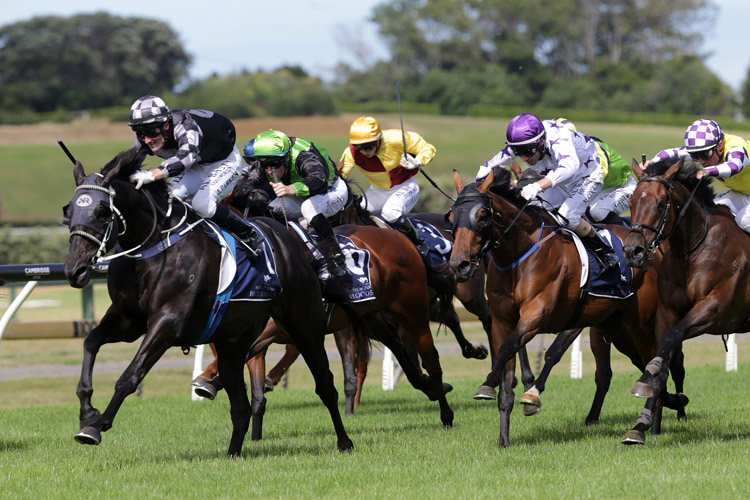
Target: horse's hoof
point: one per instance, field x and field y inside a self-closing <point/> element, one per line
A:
<point x="206" y="391"/>
<point x="88" y="435"/>
<point x="447" y="387"/>
<point x="642" y="390"/>
<point x="634" y="437"/>
<point x="199" y="380"/>
<point x="531" y="399"/>
<point x="268" y="385"/>
<point x="485" y="392"/>
<point x="345" y="445"/>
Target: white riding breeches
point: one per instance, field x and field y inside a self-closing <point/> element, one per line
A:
<point x="328" y="203"/>
<point x="739" y="204"/>
<point x="573" y="198"/>
<point x="614" y="199"/>
<point x="207" y="183"/>
<point x="394" y="202"/>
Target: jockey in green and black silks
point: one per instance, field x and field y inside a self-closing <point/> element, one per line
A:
<point x="299" y="178"/>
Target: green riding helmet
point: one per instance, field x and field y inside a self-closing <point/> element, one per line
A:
<point x="268" y="143"/>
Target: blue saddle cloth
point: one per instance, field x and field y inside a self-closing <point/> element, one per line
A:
<point x="616" y="282"/>
<point x="255" y="280"/>
<point x="439" y="247"/>
<point x="358" y="265"/>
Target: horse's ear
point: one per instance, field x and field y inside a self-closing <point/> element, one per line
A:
<point x="639" y="172"/>
<point x="485" y="186"/>
<point x="111" y="174"/>
<point x="672" y="171"/>
<point x="78" y="173"/>
<point x="458" y="181"/>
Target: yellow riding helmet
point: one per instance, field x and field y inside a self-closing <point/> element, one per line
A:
<point x="364" y="129"/>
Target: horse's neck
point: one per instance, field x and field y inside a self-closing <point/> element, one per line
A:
<point x="139" y="214"/>
<point x="524" y="232"/>
<point x="691" y="229"/>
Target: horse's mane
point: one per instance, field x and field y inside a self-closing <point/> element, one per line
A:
<point x="685" y="176"/>
<point x="502" y="186"/>
<point x="129" y="161"/>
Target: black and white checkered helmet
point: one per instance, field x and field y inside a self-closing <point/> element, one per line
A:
<point x="149" y="109"/>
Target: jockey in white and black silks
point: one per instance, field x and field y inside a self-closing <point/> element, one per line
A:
<point x="571" y="169"/>
<point x="722" y="156"/>
<point x="199" y="154"/>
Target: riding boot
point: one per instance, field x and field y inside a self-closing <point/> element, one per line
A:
<point x="404" y="225"/>
<point x="328" y="246"/>
<point x="237" y="225"/>
<point x="614" y="219"/>
<point x="604" y="254"/>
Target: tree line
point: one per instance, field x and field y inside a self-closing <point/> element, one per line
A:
<point x="455" y="57"/>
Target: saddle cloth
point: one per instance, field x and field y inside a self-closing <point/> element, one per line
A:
<point x="357" y="263"/>
<point x="616" y="283"/>
<point x="439" y="247"/>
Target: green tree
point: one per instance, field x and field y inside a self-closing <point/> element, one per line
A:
<point x="87" y="61"/>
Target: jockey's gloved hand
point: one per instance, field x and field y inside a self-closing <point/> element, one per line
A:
<point x="531" y="191"/>
<point x="141" y="177"/>
<point x="409" y="162"/>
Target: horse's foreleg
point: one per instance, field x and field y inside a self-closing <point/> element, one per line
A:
<point x="452" y="322"/>
<point x="679" y="400"/>
<point x="210" y="372"/>
<point x="347" y="344"/>
<point x="531" y="400"/>
<point x="113" y="328"/>
<point x="603" y="376"/>
<point x="505" y="401"/>
<point x="431" y="363"/>
<point x="291" y="353"/>
<point x="151" y="349"/>
<point x="256" y="366"/>
<point x="637" y="435"/>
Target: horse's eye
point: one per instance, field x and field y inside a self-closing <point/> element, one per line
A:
<point x="102" y="213"/>
<point x="662" y="205"/>
<point x="484" y="218"/>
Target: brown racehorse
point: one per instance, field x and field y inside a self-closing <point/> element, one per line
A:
<point x="400" y="310"/>
<point x="703" y="286"/>
<point x="534" y="286"/>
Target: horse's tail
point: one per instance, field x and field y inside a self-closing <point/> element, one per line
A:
<point x="355" y="319"/>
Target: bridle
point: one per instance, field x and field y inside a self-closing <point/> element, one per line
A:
<point x="110" y="234"/>
<point x="659" y="230"/>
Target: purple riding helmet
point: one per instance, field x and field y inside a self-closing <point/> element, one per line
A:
<point x="524" y="135"/>
<point x="702" y="135"/>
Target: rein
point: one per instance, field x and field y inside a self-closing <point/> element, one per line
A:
<point x="658" y="239"/>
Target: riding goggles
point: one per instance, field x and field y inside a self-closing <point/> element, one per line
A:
<point x="702" y="155"/>
<point x="366" y="146"/>
<point x="151" y="130"/>
<point x="525" y="149"/>
<point x="272" y="162"/>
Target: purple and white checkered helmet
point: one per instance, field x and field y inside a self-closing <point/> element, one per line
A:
<point x="524" y="129"/>
<point x="702" y="135"/>
<point x="149" y="109"/>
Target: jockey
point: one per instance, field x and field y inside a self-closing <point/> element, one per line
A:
<point x="296" y="175"/>
<point x="571" y="168"/>
<point x="380" y="155"/>
<point x="619" y="183"/>
<point x="199" y="154"/>
<point x="722" y="156"/>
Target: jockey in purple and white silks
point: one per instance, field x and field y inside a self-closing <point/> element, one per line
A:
<point x="572" y="173"/>
<point x="199" y="154"/>
<point x="722" y="156"/>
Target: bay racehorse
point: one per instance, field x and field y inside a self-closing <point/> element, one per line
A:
<point x="703" y="285"/>
<point x="164" y="285"/>
<point x="397" y="315"/>
<point x="534" y="283"/>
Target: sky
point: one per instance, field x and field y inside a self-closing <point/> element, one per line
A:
<point x="318" y="34"/>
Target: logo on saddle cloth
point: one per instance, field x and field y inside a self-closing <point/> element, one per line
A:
<point x="615" y="283"/>
<point x="439" y="247"/>
<point x="358" y="265"/>
<point x="241" y="279"/>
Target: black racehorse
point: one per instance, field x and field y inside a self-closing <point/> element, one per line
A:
<point x="165" y="284"/>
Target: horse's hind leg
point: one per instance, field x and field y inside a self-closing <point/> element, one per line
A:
<point x="231" y="365"/>
<point x="256" y="366"/>
<point x="310" y="342"/>
<point x="363" y="359"/>
<point x="209" y="373"/>
<point x="603" y="377"/>
<point x="346" y="341"/>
